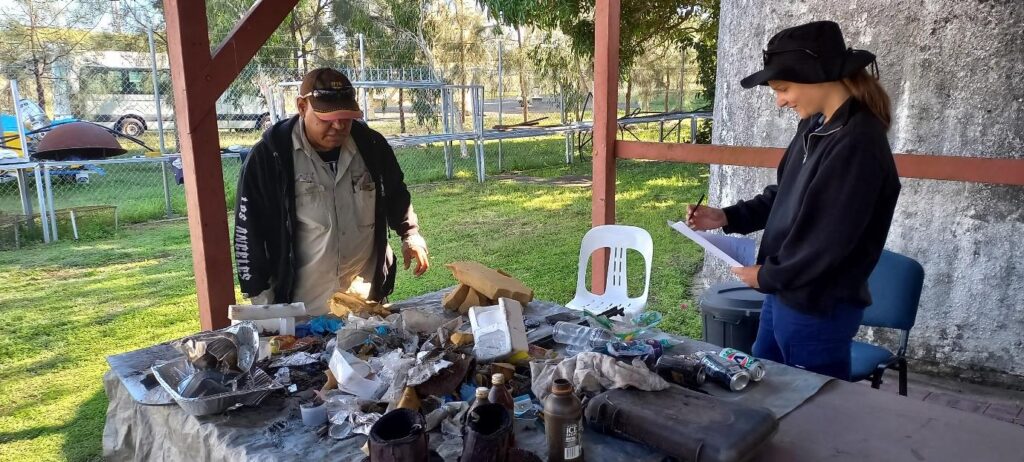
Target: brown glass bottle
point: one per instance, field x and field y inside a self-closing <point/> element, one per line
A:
<point x="481" y="398"/>
<point x="500" y="395"/>
<point x="563" y="423"/>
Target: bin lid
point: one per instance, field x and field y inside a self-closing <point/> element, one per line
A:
<point x="733" y="295"/>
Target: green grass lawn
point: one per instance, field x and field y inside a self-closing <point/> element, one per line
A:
<point x="68" y="305"/>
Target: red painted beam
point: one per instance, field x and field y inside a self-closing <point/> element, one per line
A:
<point x="923" y="166"/>
<point x="606" y="92"/>
<point x="955" y="168"/>
<point x="699" y="153"/>
<point x="198" y="79"/>
<point x="188" y="47"/>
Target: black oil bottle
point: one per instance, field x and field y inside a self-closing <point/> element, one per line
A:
<point x="563" y="423"/>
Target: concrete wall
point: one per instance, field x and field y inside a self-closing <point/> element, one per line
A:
<point x="955" y="72"/>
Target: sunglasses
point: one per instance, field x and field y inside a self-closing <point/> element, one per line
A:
<point x="330" y="95"/>
<point x="767" y="54"/>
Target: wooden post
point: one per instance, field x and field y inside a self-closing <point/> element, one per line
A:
<point x="199" y="78"/>
<point x="606" y="92"/>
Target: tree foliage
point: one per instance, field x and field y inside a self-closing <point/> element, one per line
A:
<point x="644" y="26"/>
<point x="35" y="37"/>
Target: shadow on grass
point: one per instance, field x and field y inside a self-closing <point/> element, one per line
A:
<point x="79" y="442"/>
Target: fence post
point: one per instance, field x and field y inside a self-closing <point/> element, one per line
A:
<point x="159" y="122"/>
<point x="478" y="122"/>
<point x="156" y="90"/>
<point x="565" y="121"/>
<point x="26" y="200"/>
<point x="26" y="203"/>
<point x="449" y="168"/>
<point x="41" y="195"/>
<point x="167" y="188"/>
<point x="501" y="88"/>
<point x="49" y="202"/>
<point x="362" y="76"/>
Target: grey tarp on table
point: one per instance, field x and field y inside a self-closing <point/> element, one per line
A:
<point x="274" y="431"/>
<point x="783" y="390"/>
<point x="843" y="422"/>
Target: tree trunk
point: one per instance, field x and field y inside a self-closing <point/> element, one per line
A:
<point x="401" y="110"/>
<point x="629" y="95"/>
<point x="462" y="62"/>
<point x="37" y="61"/>
<point x="298" y="53"/>
<point x="40" y="91"/>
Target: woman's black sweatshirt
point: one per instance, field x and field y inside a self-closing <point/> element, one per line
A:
<point x="826" y="221"/>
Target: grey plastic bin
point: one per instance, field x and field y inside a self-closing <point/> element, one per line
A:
<point x="732" y="314"/>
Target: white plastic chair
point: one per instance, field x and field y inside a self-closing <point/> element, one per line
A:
<point x="619" y="239"/>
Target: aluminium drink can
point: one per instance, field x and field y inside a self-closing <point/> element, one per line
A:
<point x="727" y="373"/>
<point x="754" y="366"/>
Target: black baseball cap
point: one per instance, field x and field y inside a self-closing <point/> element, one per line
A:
<point x="811" y="53"/>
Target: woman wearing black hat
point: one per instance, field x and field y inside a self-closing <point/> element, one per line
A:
<point x="826" y="221"/>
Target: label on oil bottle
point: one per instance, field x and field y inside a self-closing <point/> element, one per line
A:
<point x="573" y="441"/>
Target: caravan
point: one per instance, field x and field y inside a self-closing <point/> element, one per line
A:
<point x="115" y="89"/>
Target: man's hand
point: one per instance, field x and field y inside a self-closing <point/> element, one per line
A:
<point x="704" y="218"/>
<point x="748" y="274"/>
<point x="409" y="252"/>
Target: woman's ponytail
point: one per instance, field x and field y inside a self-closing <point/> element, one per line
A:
<point x="869" y="92"/>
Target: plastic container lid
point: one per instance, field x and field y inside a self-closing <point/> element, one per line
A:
<point x="734" y="296"/>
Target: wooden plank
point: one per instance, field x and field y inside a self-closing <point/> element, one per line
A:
<point x="606" y="89"/>
<point x="956" y="168"/>
<point x="922" y="166"/>
<point x="188" y="49"/>
<point x="699" y="153"/>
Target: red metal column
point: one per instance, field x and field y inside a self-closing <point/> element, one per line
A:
<point x="606" y="92"/>
<point x="199" y="79"/>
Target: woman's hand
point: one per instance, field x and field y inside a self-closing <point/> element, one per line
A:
<point x="748" y="274"/>
<point x="704" y="218"/>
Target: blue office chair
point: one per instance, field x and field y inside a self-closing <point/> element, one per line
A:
<point x="895" y="287"/>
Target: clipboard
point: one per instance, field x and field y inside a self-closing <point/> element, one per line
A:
<point x="734" y="251"/>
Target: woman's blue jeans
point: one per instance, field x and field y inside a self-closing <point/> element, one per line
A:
<point x="818" y="343"/>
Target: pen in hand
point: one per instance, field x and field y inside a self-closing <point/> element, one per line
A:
<point x="690" y="215"/>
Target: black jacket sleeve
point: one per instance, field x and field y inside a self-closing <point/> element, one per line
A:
<point x="401" y="216"/>
<point x="252" y="263"/>
<point x="835" y="211"/>
<point x="750" y="215"/>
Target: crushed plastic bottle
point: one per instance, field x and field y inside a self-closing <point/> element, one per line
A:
<point x="575" y="334"/>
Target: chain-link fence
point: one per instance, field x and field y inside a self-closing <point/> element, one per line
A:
<point x="88" y="198"/>
<point x="464" y="108"/>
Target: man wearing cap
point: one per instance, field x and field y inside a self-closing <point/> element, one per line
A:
<point x="316" y="198"/>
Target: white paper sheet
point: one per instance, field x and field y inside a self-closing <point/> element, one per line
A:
<point x="735" y="251"/>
